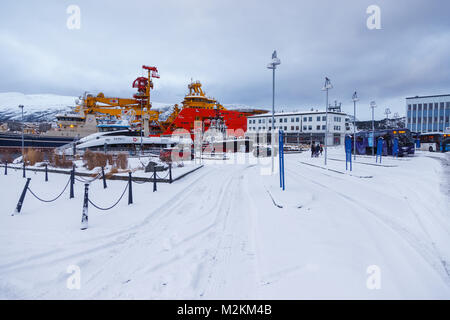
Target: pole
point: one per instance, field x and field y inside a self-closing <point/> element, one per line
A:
<point x="22" y="197"/>
<point x="279" y="156"/>
<point x="24" y="169"/>
<point x="373" y="133"/>
<point x="84" y="217"/>
<point x="46" y="172"/>
<point x="354" y="129"/>
<point x="104" y="178"/>
<point x="23" y="143"/>
<point x="142" y="124"/>
<point x="326" y="128"/>
<point x="72" y="181"/>
<point x="154" y="178"/>
<point x="6" y="168"/>
<point x="273" y="116"/>
<point x="130" y="190"/>
<point x="170" y="172"/>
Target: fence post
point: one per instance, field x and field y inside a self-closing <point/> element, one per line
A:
<point x="84" y="217"/>
<point x="104" y="179"/>
<point x="279" y="154"/>
<point x="46" y="172"/>
<point x="170" y="172"/>
<point x="6" y="168"/>
<point x="130" y="189"/>
<point x="24" y="169"/>
<point x="72" y="178"/>
<point x="22" y="197"/>
<point x="154" y="178"/>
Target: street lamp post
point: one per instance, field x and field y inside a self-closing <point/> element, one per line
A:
<point x="273" y="65"/>
<point x="387" y="112"/>
<point x="373" y="105"/>
<point x="327" y="86"/>
<point x="142" y="152"/>
<point x="355" y="99"/>
<point x="23" y="144"/>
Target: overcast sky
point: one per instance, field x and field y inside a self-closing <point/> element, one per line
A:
<point x="226" y="45"/>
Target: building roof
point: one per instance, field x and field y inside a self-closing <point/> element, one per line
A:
<point x="297" y="113"/>
<point x="435" y="96"/>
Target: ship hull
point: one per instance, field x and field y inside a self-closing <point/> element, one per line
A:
<point x="10" y="141"/>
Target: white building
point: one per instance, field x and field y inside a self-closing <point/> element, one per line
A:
<point x="303" y="126"/>
<point x="428" y="113"/>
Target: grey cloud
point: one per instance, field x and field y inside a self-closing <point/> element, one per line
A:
<point x="226" y="45"/>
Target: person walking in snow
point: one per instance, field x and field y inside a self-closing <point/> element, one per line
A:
<point x="313" y="149"/>
<point x="321" y="149"/>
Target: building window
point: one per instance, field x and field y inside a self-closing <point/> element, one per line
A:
<point x="309" y="127"/>
<point x="305" y="119"/>
<point x="292" y="127"/>
<point x="310" y="119"/>
<point x="304" y="128"/>
<point x="296" y="128"/>
<point x="324" y="127"/>
<point x="324" y="118"/>
<point x="318" y="118"/>
<point x="297" y="119"/>
<point x="318" y="128"/>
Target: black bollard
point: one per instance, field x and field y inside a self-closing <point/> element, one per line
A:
<point x="104" y="178"/>
<point x="46" y="173"/>
<point x="24" y="169"/>
<point x="6" y="168"/>
<point x="72" y="180"/>
<point x="22" y="197"/>
<point x="154" y="178"/>
<point x="130" y="189"/>
<point x="84" y="217"/>
<point x="170" y="172"/>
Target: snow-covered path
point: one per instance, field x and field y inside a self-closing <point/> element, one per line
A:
<point x="219" y="234"/>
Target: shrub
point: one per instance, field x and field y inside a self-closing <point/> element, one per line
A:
<point x="122" y="161"/>
<point x="58" y="161"/>
<point x="7" y="156"/>
<point x="111" y="172"/>
<point x="32" y="156"/>
<point x="96" y="159"/>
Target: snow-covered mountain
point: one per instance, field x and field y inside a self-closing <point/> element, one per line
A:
<point x="37" y="107"/>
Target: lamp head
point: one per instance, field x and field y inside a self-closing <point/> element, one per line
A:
<point x="355" y="97"/>
<point x="327" y="84"/>
<point x="373" y="104"/>
<point x="275" y="61"/>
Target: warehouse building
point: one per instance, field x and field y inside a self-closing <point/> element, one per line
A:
<point x="303" y="126"/>
<point x="428" y="113"/>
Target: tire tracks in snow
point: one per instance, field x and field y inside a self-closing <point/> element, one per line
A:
<point x="408" y="237"/>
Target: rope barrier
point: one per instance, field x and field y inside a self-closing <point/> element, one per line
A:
<point x="79" y="179"/>
<point x="139" y="182"/>
<point x="43" y="200"/>
<point x="167" y="174"/>
<point x="105" y="209"/>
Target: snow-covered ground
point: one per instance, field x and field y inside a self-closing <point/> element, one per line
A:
<point x="220" y="233"/>
<point x="136" y="165"/>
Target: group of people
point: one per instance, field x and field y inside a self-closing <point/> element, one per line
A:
<point x="316" y="150"/>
